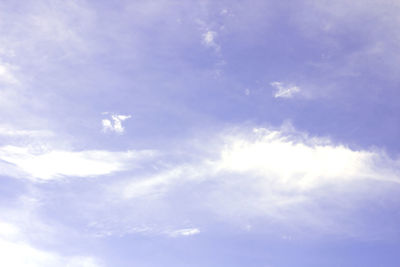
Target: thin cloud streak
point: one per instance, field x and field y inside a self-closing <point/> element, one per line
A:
<point x="284" y="91"/>
<point x="57" y="164"/>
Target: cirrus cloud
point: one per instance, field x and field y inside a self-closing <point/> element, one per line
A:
<point x="55" y="164"/>
<point x="270" y="176"/>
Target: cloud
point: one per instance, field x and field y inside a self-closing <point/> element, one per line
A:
<point x="55" y="164"/>
<point x="209" y="40"/>
<point x="340" y="63"/>
<point x="18" y="252"/>
<point x="184" y="232"/>
<point x="302" y="165"/>
<point x="6" y="74"/>
<point x="284" y="91"/>
<point x="7" y="130"/>
<point x="294" y="161"/>
<point x="153" y="185"/>
<point x="28" y="239"/>
<point x="8" y="230"/>
<point x="115" y="124"/>
<point x="269" y="176"/>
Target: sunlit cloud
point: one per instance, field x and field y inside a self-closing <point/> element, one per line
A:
<point x="18" y="252"/>
<point x="190" y="156"/>
<point x="115" y="123"/>
<point x="55" y="164"/>
<point x="268" y="174"/>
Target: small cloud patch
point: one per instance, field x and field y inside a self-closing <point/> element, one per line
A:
<point x="209" y="40"/>
<point x="114" y="124"/>
<point x="6" y="74"/>
<point x="185" y="232"/>
<point x="284" y="90"/>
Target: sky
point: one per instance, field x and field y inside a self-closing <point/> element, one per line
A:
<point x="199" y="133"/>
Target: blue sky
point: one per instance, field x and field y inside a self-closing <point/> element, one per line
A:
<point x="199" y="133"/>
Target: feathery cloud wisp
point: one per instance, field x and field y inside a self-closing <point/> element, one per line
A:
<point x="209" y="40"/>
<point x="270" y="174"/>
<point x="18" y="252"/>
<point x="55" y="164"/>
<point x="284" y="90"/>
<point x="184" y="232"/>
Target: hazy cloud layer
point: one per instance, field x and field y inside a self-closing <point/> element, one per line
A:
<point x="190" y="166"/>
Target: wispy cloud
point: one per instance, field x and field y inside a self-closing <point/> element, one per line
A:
<point x="184" y="232"/>
<point x="209" y="40"/>
<point x="270" y="174"/>
<point x="6" y="74"/>
<point x="284" y="90"/>
<point x="54" y="164"/>
<point x="62" y="63"/>
<point x="7" y="130"/>
<point x="18" y="252"/>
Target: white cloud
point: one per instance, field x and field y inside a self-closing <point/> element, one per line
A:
<point x="107" y="125"/>
<point x="209" y="40"/>
<point x="6" y="74"/>
<point x="153" y="185"/>
<point x="290" y="160"/>
<point x="269" y="175"/>
<point x="295" y="163"/>
<point x="16" y="251"/>
<point x="115" y="124"/>
<point x="284" y="90"/>
<point x="8" y="230"/>
<point x="53" y="164"/>
<point x="7" y="130"/>
<point x="184" y="232"/>
<point x="208" y="37"/>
